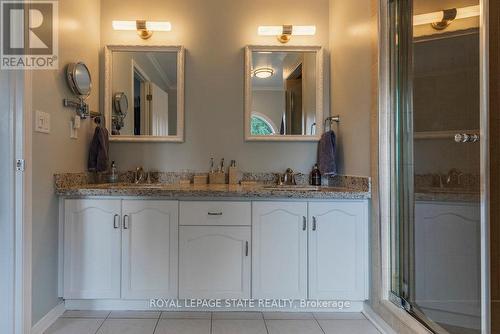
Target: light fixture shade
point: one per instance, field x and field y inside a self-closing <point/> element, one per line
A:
<point x="150" y="25"/>
<point x="462" y="13"/>
<point x="124" y="25"/>
<point x="304" y="30"/>
<point x="158" y="26"/>
<point x="263" y="72"/>
<point x="270" y="30"/>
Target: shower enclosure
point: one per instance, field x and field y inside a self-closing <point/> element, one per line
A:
<point x="436" y="196"/>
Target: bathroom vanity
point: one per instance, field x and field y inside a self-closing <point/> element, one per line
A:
<point x="121" y="245"/>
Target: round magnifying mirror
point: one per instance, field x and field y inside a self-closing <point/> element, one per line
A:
<point x="79" y="79"/>
<point x="120" y="102"/>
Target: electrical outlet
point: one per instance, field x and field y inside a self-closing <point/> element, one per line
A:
<point x="42" y="122"/>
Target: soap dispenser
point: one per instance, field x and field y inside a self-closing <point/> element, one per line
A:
<point x="113" y="176"/>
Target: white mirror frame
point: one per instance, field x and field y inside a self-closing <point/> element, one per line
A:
<point x="320" y="93"/>
<point x="108" y="98"/>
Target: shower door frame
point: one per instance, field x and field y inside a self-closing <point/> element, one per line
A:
<point x="387" y="191"/>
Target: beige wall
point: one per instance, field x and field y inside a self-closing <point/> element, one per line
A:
<point x="56" y="152"/>
<point x="351" y="92"/>
<point x="214" y="34"/>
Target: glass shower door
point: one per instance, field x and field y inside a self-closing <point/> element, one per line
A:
<point x="436" y="232"/>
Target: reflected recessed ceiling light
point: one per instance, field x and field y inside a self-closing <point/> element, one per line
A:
<point x="263" y="72"/>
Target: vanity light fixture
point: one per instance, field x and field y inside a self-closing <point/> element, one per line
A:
<point x="285" y="32"/>
<point x="144" y="28"/>
<point x="442" y="19"/>
<point x="263" y="72"/>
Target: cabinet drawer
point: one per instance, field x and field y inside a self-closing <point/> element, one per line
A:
<point x="215" y="213"/>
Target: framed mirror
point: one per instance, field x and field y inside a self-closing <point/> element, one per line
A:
<point x="144" y="93"/>
<point x="284" y="93"/>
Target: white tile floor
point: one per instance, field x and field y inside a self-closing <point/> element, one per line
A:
<point x="150" y="322"/>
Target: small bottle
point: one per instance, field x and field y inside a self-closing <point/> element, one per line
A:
<point x="113" y="176"/>
<point x="316" y="176"/>
<point x="212" y="166"/>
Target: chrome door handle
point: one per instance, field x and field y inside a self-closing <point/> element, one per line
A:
<point x="125" y="222"/>
<point x="466" y="138"/>
<point x="116" y="221"/>
<point x="314" y="224"/>
<point x="304" y="223"/>
<point x="246" y="248"/>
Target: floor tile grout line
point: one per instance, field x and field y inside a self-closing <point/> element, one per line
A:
<point x="102" y="323"/>
<point x="320" y="327"/>
<point x="265" y="323"/>
<point x="157" y="322"/>
<point x="211" y="322"/>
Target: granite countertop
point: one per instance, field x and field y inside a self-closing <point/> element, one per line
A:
<point x="211" y="191"/>
<point x="447" y="195"/>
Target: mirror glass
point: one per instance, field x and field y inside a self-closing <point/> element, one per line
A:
<point x="82" y="79"/>
<point x="284" y="94"/>
<point x="79" y="79"/>
<point x="144" y="92"/>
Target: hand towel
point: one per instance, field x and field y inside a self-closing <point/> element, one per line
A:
<point x="327" y="151"/>
<point x="99" y="151"/>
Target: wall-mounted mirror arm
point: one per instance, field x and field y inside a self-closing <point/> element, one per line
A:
<point x="81" y="107"/>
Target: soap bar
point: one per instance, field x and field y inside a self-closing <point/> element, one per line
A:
<point x="217" y="178"/>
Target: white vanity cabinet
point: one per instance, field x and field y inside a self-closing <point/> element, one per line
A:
<point x="120" y="249"/>
<point x="150" y="249"/>
<point x="92" y="249"/>
<point x="279" y="257"/>
<point x="214" y="250"/>
<point x="315" y="250"/>
<point x="338" y="250"/>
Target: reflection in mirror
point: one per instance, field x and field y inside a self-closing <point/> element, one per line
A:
<point x="283" y="93"/>
<point x="152" y="87"/>
<point x="145" y="92"/>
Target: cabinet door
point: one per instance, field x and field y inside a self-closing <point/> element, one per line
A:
<point x="214" y="262"/>
<point x="92" y="249"/>
<point x="279" y="257"/>
<point x="149" y="253"/>
<point x="338" y="250"/>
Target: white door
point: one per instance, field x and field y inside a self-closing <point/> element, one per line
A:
<point x="214" y="262"/>
<point x="149" y="252"/>
<point x="159" y="110"/>
<point x="279" y="257"/>
<point x="92" y="249"/>
<point x="338" y="250"/>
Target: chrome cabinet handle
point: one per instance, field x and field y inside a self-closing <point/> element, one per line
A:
<point x="304" y="223"/>
<point x="466" y="138"/>
<point x="116" y="221"/>
<point x="314" y="224"/>
<point x="125" y="222"/>
<point x="246" y="248"/>
<point x="215" y="213"/>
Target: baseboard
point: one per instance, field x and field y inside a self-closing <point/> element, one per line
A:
<point x="377" y="321"/>
<point x="43" y="324"/>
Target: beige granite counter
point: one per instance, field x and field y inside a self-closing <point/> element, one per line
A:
<point x="177" y="191"/>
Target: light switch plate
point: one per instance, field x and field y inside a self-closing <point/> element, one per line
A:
<point x="42" y="122"/>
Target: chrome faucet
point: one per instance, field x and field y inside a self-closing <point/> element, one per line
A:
<point x="454" y="177"/>
<point x="139" y="175"/>
<point x="289" y="177"/>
